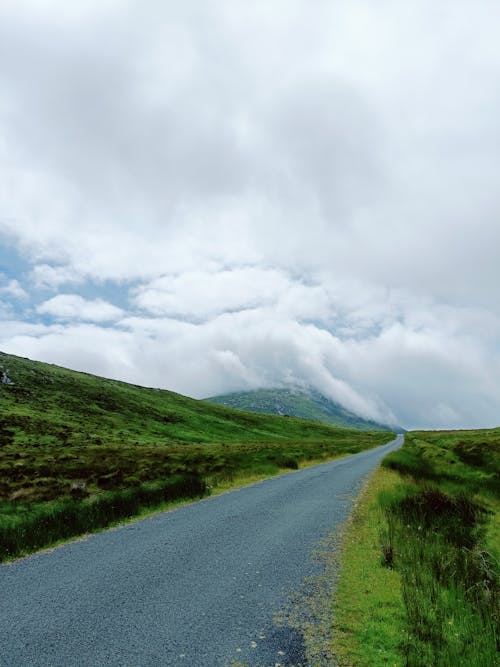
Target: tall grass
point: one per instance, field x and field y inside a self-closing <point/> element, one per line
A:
<point x="25" y="529"/>
<point x="436" y="538"/>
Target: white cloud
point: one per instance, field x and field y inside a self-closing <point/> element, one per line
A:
<point x="74" y="307"/>
<point x="13" y="289"/>
<point x="45" y="276"/>
<point x="313" y="187"/>
<point x="204" y="294"/>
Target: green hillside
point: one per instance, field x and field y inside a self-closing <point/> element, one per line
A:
<point x="59" y="428"/>
<point x="304" y="404"/>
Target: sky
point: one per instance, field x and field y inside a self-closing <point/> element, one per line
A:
<point x="226" y="195"/>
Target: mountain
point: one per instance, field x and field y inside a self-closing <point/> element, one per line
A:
<point x="309" y="404"/>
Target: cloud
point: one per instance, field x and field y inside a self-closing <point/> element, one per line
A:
<point x="412" y="372"/>
<point x="13" y="289"/>
<point x="74" y="307"/>
<point x="45" y="276"/>
<point x="272" y="193"/>
<point x="201" y="295"/>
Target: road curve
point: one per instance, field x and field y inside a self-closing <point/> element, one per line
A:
<point x="197" y="586"/>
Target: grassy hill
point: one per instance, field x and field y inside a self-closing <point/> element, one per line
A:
<point x="74" y="445"/>
<point x="305" y="404"/>
<point x="47" y="404"/>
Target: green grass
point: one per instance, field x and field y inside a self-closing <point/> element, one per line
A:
<point x="368" y="611"/>
<point x="426" y="541"/>
<point x="70" y="440"/>
<point x="24" y="529"/>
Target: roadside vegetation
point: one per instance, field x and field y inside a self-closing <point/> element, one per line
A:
<point x="78" y="452"/>
<point x="419" y="583"/>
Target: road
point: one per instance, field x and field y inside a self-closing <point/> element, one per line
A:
<point x="196" y="586"/>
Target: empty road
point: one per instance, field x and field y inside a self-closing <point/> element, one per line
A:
<point x="197" y="586"/>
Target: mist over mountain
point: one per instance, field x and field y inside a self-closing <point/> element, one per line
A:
<point x="292" y="402"/>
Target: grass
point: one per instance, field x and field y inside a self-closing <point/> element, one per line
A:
<point x="30" y="527"/>
<point x="424" y="542"/>
<point x="368" y="611"/>
<point x="71" y="443"/>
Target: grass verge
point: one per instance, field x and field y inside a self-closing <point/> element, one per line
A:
<point x="26" y="529"/>
<point x="420" y="583"/>
<point x="368" y="610"/>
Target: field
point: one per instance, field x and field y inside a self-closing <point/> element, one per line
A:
<point x="72" y="445"/>
<point x="420" y="577"/>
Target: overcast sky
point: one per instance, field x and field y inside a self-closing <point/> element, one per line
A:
<point x="221" y="195"/>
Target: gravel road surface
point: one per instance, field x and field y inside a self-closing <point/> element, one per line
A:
<point x="197" y="586"/>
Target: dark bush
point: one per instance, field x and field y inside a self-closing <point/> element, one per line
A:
<point x="458" y="518"/>
<point x="287" y="462"/>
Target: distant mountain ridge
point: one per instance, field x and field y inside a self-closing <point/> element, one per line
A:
<point x="308" y="404"/>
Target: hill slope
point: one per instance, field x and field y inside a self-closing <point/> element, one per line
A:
<point x="305" y="404"/>
<point x="59" y="428"/>
<point x="52" y="404"/>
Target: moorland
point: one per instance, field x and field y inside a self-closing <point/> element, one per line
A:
<point x="78" y="452"/>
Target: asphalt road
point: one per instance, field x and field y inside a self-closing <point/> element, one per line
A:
<point x="197" y="586"/>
